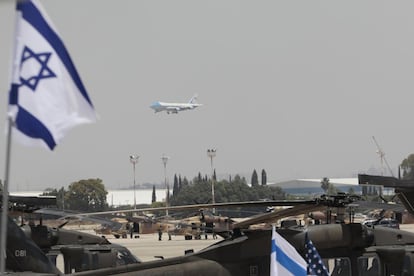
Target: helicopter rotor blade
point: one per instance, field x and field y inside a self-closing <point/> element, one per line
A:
<point x="278" y="214"/>
<point x="203" y="206"/>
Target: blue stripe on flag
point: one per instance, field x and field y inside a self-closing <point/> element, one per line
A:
<point x="287" y="262"/>
<point x="32" y="127"/>
<point x="32" y="15"/>
<point x="14" y="94"/>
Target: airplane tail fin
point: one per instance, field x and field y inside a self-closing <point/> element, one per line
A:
<point x="193" y="99"/>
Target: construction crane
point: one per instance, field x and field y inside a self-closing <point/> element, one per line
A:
<point x="381" y="154"/>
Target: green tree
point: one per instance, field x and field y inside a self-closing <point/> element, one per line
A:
<point x="87" y="195"/>
<point x="59" y="194"/>
<point x="197" y="192"/>
<point x="255" y="179"/>
<point x="264" y="177"/>
<point x="407" y="167"/>
<point x="332" y="190"/>
<point x="184" y="183"/>
<point x="325" y="184"/>
<point x="175" y="186"/>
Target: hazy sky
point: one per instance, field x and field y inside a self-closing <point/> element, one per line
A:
<point x="297" y="88"/>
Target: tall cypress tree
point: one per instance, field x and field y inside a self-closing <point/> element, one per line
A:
<point x="264" y="177"/>
<point x="185" y="182"/>
<point x="255" y="179"/>
<point x="175" y="186"/>
<point x="154" y="197"/>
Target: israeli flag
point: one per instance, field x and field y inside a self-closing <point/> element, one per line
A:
<point x="284" y="259"/>
<point x="47" y="97"/>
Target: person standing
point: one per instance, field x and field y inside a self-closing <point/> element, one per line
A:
<point x="160" y="233"/>
<point x="131" y="230"/>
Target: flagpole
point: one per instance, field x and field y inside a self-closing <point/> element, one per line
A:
<point x="5" y="192"/>
<point x="5" y="205"/>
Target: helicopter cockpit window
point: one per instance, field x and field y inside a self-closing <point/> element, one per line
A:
<point x="368" y="266"/>
<point x="338" y="266"/>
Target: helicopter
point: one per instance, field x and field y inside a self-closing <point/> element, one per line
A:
<point x="117" y="226"/>
<point x="202" y="222"/>
<point x="195" y="225"/>
<point x="37" y="247"/>
<point x="346" y="248"/>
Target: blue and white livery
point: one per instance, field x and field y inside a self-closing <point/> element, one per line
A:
<point x="175" y="107"/>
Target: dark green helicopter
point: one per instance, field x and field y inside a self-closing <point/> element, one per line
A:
<point x="346" y="248"/>
<point x="35" y="247"/>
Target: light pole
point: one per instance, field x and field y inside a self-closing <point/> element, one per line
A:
<point x="134" y="159"/>
<point x="164" y="159"/>
<point x="211" y="153"/>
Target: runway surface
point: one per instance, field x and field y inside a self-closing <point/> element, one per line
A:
<point x="147" y="246"/>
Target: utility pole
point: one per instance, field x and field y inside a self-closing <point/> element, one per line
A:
<point x="167" y="192"/>
<point x="134" y="160"/>
<point x="211" y="153"/>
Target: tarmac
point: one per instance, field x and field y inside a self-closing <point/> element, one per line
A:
<point x="148" y="248"/>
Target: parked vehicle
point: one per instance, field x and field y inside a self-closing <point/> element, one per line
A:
<point x="385" y="222"/>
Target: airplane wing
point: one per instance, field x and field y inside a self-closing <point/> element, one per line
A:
<point x="174" y="109"/>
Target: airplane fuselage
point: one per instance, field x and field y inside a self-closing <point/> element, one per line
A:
<point x="173" y="107"/>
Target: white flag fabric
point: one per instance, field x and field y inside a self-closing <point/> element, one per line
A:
<point x="47" y="97"/>
<point x="284" y="259"/>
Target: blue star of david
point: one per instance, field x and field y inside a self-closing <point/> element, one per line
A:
<point x="44" y="71"/>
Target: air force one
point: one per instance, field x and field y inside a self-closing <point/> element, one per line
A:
<point x="175" y="107"/>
